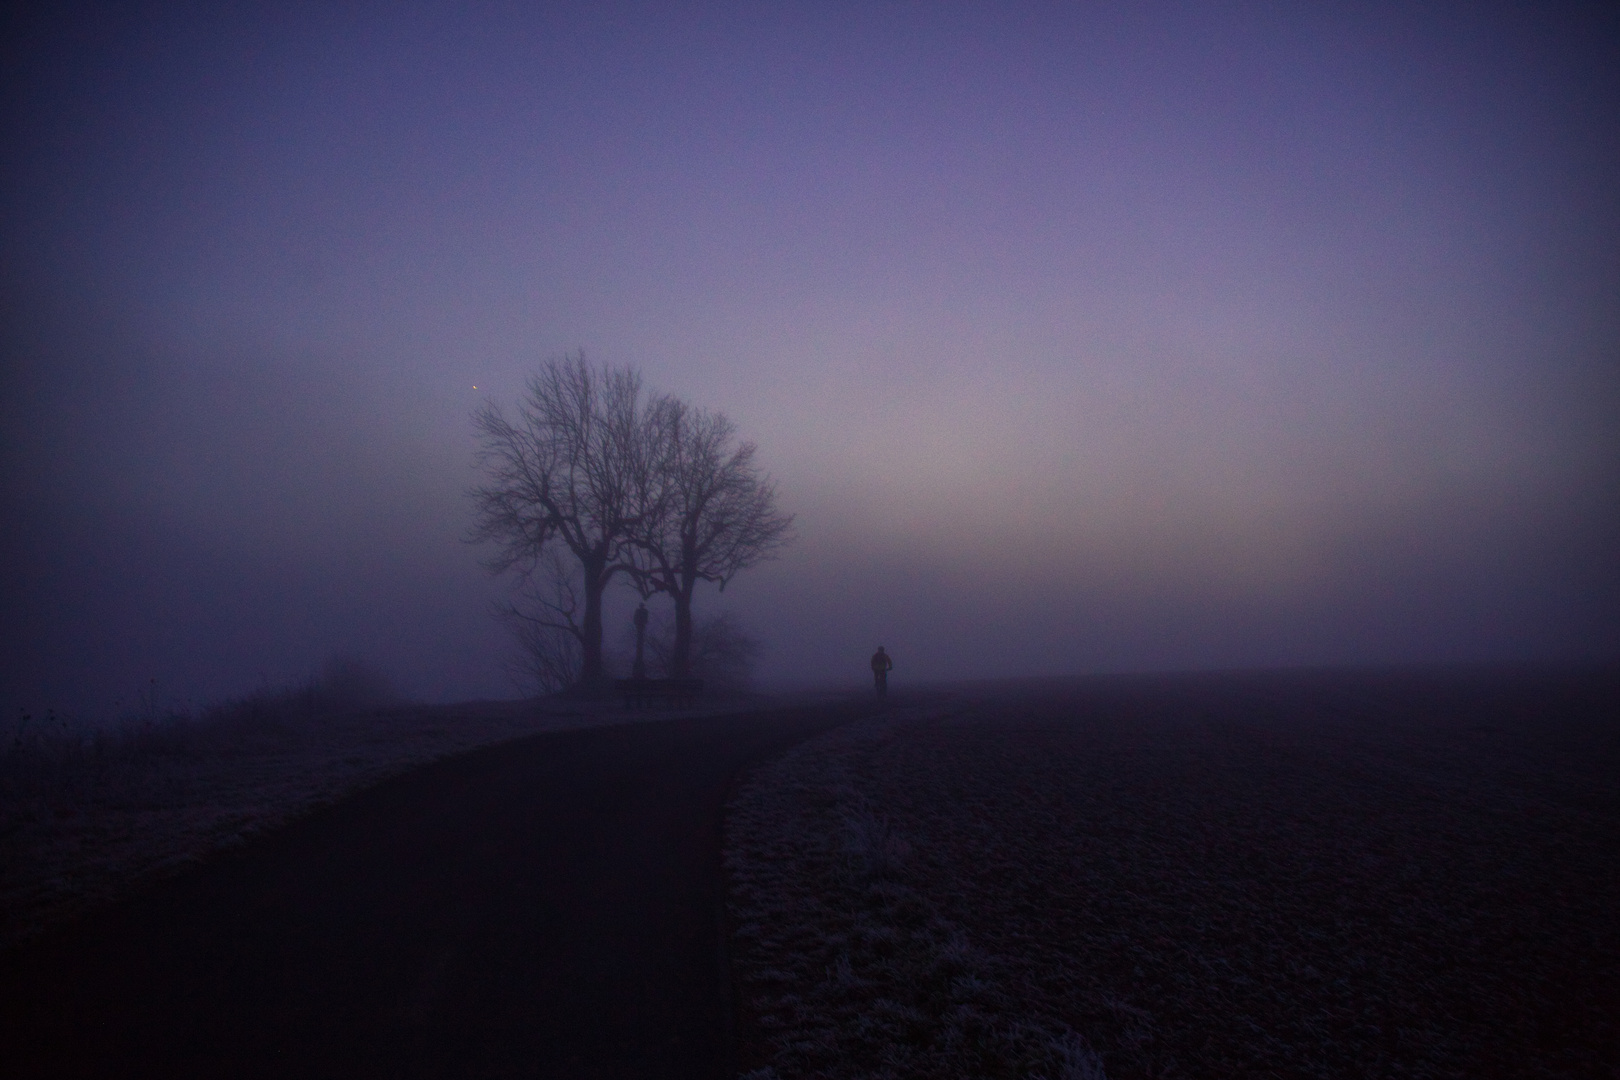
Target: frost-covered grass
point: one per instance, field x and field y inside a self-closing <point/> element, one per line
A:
<point x="89" y="812"/>
<point x="1345" y="877"/>
<point x="848" y="966"/>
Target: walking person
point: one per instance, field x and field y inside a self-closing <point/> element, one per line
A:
<point x="881" y="664"/>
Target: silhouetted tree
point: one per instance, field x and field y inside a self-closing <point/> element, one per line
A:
<point x="573" y="469"/>
<point x="544" y="623"/>
<point x="712" y="516"/>
<point x="722" y="653"/>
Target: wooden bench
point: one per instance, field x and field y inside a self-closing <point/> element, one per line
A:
<point x="642" y="693"/>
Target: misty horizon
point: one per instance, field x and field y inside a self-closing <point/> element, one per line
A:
<point x="1131" y="339"/>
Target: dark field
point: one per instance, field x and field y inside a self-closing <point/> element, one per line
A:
<point x="1302" y="875"/>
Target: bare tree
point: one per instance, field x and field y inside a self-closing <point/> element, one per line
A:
<point x="572" y="469"/>
<point x="544" y="623"/>
<point x="723" y="653"/>
<point x="713" y="513"/>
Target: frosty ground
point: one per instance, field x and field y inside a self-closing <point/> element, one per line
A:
<point x="1328" y="875"/>
<point x="1336" y="874"/>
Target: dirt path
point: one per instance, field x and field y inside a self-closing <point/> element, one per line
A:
<point x="548" y="907"/>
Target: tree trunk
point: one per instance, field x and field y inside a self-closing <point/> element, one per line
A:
<point x="591" y="626"/>
<point x="680" y="660"/>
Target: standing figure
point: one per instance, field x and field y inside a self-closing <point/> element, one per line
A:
<point x="880" y="671"/>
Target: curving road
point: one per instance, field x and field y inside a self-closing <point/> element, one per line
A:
<point x="550" y="907"/>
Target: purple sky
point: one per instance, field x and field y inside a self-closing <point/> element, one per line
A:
<point x="1080" y="337"/>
